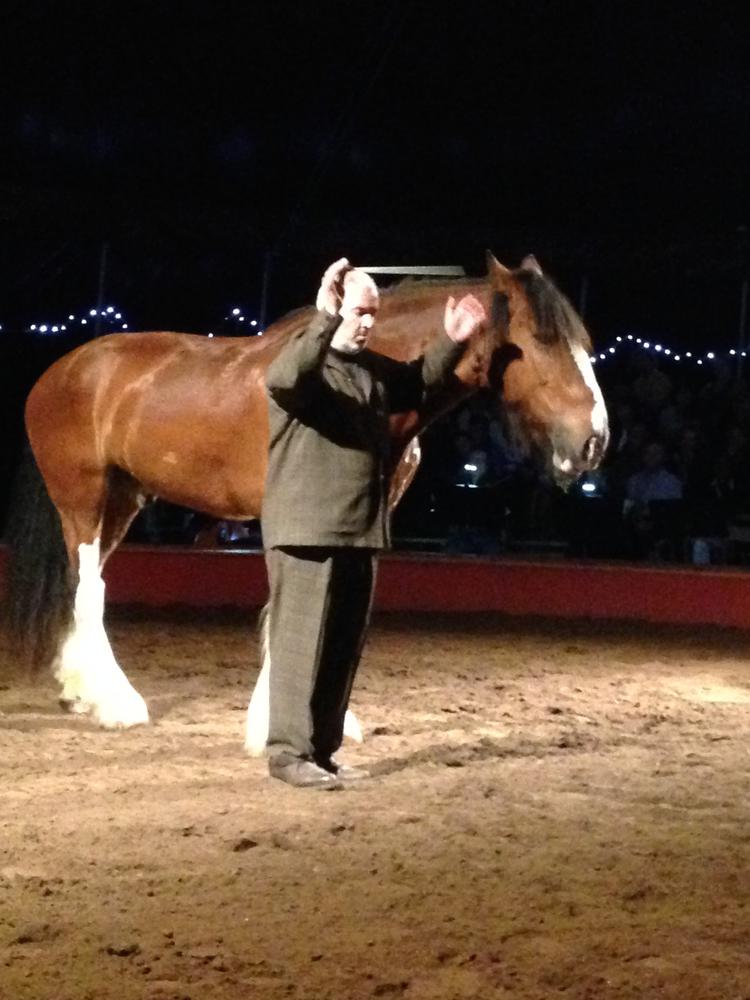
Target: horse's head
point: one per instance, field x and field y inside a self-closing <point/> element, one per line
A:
<point x="540" y="363"/>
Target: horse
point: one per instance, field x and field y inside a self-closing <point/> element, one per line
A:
<point x="130" y="417"/>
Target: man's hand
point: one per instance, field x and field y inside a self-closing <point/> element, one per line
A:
<point x="462" y="320"/>
<point x="331" y="290"/>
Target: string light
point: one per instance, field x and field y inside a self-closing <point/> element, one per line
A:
<point x="110" y="316"/>
<point x="606" y="353"/>
<point x="237" y="315"/>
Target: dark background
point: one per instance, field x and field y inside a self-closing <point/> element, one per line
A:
<point x="209" y="144"/>
<point x="197" y="138"/>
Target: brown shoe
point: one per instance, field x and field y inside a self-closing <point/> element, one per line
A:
<point x="301" y="772"/>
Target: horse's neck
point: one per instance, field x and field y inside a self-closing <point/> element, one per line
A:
<point x="410" y="320"/>
<point x="407" y="332"/>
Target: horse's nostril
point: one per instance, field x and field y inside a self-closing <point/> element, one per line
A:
<point x="591" y="448"/>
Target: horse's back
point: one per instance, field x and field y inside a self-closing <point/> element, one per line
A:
<point x="170" y="409"/>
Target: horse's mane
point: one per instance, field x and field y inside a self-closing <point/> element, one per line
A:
<point x="554" y="315"/>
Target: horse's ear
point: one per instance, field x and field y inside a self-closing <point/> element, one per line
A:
<point x="494" y="267"/>
<point x="530" y="263"/>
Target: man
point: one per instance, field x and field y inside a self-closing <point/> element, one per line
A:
<point x="325" y="512"/>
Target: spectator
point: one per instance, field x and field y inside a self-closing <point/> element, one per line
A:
<point x="653" y="507"/>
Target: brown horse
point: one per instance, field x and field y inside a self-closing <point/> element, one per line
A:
<point x="130" y="417"/>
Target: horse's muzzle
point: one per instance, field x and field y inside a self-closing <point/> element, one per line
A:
<point x="593" y="451"/>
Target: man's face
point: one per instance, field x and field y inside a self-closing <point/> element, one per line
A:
<point x="359" y="308"/>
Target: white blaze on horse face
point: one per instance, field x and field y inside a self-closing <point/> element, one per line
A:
<point x="91" y="678"/>
<point x="599" y="421"/>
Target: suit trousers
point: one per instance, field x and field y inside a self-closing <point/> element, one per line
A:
<point x="319" y="608"/>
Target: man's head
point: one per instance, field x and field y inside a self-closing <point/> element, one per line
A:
<point x="359" y="307"/>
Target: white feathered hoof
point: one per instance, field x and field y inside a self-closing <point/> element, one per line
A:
<point x="120" y="709"/>
<point x="352" y="728"/>
<point x="256" y="730"/>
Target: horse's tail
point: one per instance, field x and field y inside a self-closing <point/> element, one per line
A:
<point x="40" y="590"/>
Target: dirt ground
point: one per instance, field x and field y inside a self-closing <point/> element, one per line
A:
<point x="555" y="810"/>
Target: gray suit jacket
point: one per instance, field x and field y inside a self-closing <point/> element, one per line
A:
<point x="328" y="457"/>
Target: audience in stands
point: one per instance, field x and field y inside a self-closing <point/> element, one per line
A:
<point x="677" y="473"/>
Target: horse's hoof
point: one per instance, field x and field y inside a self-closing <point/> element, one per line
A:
<point x="122" y="713"/>
<point x="74" y="706"/>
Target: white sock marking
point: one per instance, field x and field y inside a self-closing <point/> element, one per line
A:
<point x="91" y="678"/>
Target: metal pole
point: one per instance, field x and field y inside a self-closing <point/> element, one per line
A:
<point x="741" y="337"/>
<point x="102" y="282"/>
<point x="583" y="296"/>
<point x="267" y="260"/>
<point x="423" y="270"/>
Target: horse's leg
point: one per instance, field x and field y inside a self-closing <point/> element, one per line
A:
<point x="92" y="680"/>
<point x="256" y="730"/>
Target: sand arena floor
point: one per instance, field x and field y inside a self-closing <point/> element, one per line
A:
<point x="557" y="809"/>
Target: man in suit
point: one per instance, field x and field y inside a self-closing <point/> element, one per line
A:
<point x="325" y="512"/>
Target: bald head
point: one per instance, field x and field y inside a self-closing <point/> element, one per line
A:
<point x="359" y="307"/>
<point x="358" y="287"/>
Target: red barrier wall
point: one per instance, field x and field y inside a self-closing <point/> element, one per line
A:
<point x="164" y="576"/>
